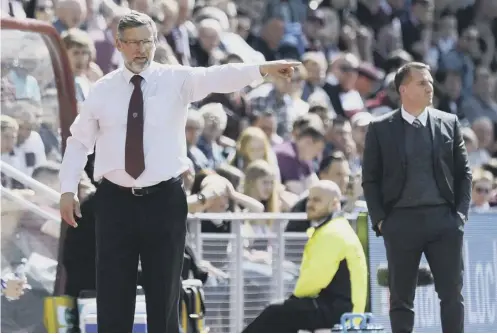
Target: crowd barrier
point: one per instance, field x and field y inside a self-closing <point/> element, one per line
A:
<point x="252" y="283"/>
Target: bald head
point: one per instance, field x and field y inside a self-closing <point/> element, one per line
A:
<point x="324" y="199"/>
<point x="71" y="12"/>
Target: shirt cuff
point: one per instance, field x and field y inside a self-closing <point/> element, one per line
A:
<point x="69" y="188"/>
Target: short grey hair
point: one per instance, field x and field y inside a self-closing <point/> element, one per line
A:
<point x="135" y="19"/>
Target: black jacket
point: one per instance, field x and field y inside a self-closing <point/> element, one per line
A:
<point x="384" y="163"/>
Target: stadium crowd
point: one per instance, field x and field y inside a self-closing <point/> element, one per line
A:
<point x="260" y="149"/>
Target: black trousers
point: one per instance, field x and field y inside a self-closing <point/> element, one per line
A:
<point x="296" y="314"/>
<point x="436" y="231"/>
<point x="151" y="228"/>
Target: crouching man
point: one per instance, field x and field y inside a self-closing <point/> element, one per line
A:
<point x="333" y="274"/>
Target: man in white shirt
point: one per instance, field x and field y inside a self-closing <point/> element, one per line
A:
<point x="142" y="206"/>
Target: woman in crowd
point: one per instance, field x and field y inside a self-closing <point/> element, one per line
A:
<point x="251" y="146"/>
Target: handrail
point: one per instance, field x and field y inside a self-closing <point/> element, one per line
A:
<point x="27" y="180"/>
<point x="28" y="205"/>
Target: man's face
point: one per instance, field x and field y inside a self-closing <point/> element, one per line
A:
<point x="315" y="72"/>
<point x="193" y="130"/>
<point x="453" y="85"/>
<point x="137" y="46"/>
<point x="424" y="11"/>
<point x="79" y="57"/>
<point x="319" y="204"/>
<point x="73" y="14"/>
<point x="348" y="77"/>
<point x="359" y="134"/>
<point x="212" y="128"/>
<point x="338" y="172"/>
<point x="341" y="133"/>
<point x="469" y="41"/>
<point x="170" y="20"/>
<point x="209" y="39"/>
<point x="484" y="83"/>
<point x="485" y="133"/>
<point x="418" y="88"/>
<point x="185" y="11"/>
<point x="448" y="27"/>
<point x="267" y="124"/>
<point x="313" y="148"/>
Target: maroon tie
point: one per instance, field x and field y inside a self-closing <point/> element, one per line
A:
<point x="134" y="156"/>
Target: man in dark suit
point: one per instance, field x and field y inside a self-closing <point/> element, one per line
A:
<point x="417" y="185"/>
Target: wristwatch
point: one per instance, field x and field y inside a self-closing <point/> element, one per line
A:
<point x="201" y="198"/>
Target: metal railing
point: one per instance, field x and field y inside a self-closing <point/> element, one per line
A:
<point x="259" y="269"/>
<point x="33" y="184"/>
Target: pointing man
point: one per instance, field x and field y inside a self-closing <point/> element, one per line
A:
<point x="135" y="117"/>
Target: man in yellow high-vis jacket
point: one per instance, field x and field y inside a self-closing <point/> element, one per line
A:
<point x="333" y="274"/>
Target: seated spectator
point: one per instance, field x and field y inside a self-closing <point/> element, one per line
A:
<point x="481" y="102"/>
<point x="345" y="99"/>
<point x="193" y="130"/>
<point x="79" y="48"/>
<point x="205" y="50"/>
<point x="283" y="98"/>
<point x="9" y="131"/>
<point x="261" y="183"/>
<point x="25" y="85"/>
<point x="484" y="130"/>
<point x="333" y="275"/>
<point x="214" y="125"/>
<point x="70" y="14"/>
<point x="333" y="167"/>
<point x="386" y="100"/>
<point x="481" y="190"/>
<point x="30" y="147"/>
<point x="235" y="104"/>
<point x="251" y="146"/>
<point x="266" y="121"/>
<point x="295" y="158"/>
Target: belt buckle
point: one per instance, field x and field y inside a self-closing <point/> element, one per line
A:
<point x="134" y="189"/>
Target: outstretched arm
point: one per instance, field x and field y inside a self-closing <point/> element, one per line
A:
<point x="202" y="81"/>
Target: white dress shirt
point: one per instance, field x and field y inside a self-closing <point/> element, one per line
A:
<point x="423" y="117"/>
<point x="167" y="92"/>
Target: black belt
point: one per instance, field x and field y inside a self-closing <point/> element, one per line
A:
<point x="143" y="191"/>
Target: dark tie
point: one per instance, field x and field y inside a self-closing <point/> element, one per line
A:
<point x="134" y="156"/>
<point x="417" y="123"/>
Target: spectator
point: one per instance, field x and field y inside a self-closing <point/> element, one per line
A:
<point x="251" y="146"/>
<point x="482" y="190"/>
<point x="484" y="130"/>
<point x="481" y="103"/>
<point x="295" y="158"/>
<point x="214" y="125"/>
<point x="193" y="130"/>
<point x="79" y="48"/>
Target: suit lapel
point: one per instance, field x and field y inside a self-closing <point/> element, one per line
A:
<point x="398" y="135"/>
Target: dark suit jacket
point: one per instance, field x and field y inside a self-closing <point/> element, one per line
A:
<point x="384" y="163"/>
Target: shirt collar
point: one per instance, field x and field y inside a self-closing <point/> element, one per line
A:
<point x="146" y="74"/>
<point x="423" y="117"/>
